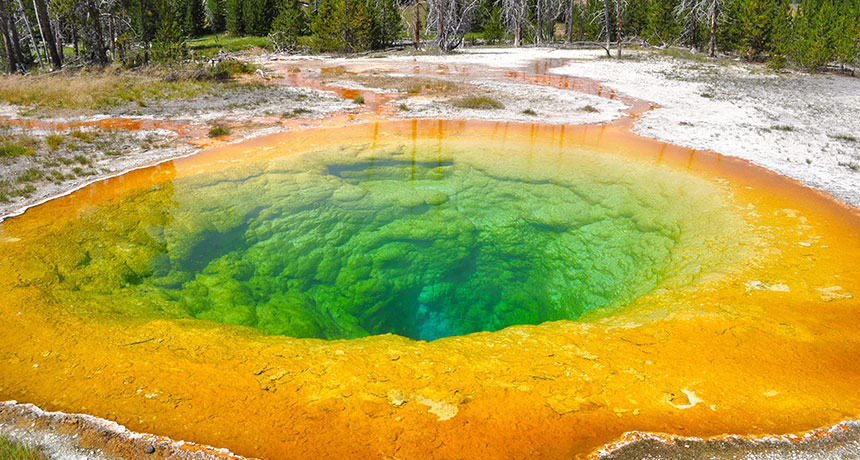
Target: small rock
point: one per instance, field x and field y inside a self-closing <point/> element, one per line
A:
<point x="149" y="449"/>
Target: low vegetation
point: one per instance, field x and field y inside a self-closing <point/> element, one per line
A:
<point x="13" y="450"/>
<point x="219" y="131"/>
<point x="477" y="102"/>
<point x="588" y="108"/>
<point x="99" y="90"/>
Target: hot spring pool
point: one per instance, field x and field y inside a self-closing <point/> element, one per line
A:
<point x="582" y="283"/>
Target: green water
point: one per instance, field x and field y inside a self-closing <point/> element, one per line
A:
<point x="344" y="244"/>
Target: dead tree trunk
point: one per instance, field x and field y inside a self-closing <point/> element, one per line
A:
<point x="47" y="34"/>
<point x="31" y="34"/>
<point x="581" y="20"/>
<point x="712" y="43"/>
<point x="16" y="44"/>
<point x="568" y="21"/>
<point x="440" y="25"/>
<point x="606" y="29"/>
<point x="12" y="63"/>
<point x="77" y="50"/>
<point x="416" y="23"/>
<point x="618" y="7"/>
<point x="97" y="39"/>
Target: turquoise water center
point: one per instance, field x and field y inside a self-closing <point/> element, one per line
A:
<point x="425" y="240"/>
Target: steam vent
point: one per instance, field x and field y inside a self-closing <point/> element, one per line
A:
<point x="437" y="289"/>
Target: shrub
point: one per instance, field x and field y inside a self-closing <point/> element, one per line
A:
<point x="219" y="131"/>
<point x="477" y="102"/>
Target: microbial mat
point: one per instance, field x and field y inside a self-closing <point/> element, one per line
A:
<point x="427" y="289"/>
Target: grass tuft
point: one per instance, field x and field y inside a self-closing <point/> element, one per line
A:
<point x="529" y="112"/>
<point x="477" y="102"/>
<point x="31" y="175"/>
<point x="224" y="70"/>
<point x="54" y="141"/>
<point x="358" y="99"/>
<point x="844" y="137"/>
<point x="14" y="149"/>
<point x="782" y="127"/>
<point x="852" y="166"/>
<point x="219" y="131"/>
<point x="588" y="108"/>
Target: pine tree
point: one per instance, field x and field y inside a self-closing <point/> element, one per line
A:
<point x="780" y="44"/>
<point x="662" y="27"/>
<point x="233" y="19"/>
<point x="193" y="18"/>
<point x="755" y="19"/>
<point x="344" y="25"/>
<point x="387" y="22"/>
<point x="257" y="16"/>
<point x="494" y="29"/>
<point x="216" y="15"/>
<point x="816" y="33"/>
<point x="326" y="29"/>
<point x="290" y="24"/>
<point x="359" y="27"/>
<point x="169" y="44"/>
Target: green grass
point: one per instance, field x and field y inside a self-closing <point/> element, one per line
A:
<point x="588" y="108"/>
<point x="224" y="70"/>
<point x="90" y="90"/>
<point x="210" y="45"/>
<point x="54" y="141"/>
<point x="358" y="99"/>
<point x="404" y="107"/>
<point x="85" y="136"/>
<point x="477" y="102"/>
<point x="219" y="131"/>
<point x="682" y="53"/>
<point x="296" y="112"/>
<point x="13" y="450"/>
<point x="843" y="137"/>
<point x="529" y="112"/>
<point x="14" y="149"/>
<point x="31" y="175"/>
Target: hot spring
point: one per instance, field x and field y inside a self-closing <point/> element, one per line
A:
<point x="580" y="282"/>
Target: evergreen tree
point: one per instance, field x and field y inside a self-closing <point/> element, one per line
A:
<point x="257" y="16"/>
<point x="193" y="18"/>
<point x="169" y="44"/>
<point x="755" y="19"/>
<point x="387" y="21"/>
<point x="635" y="18"/>
<point x="662" y="27"/>
<point x="290" y="24"/>
<point x="233" y="19"/>
<point x="592" y="27"/>
<point x="816" y="33"/>
<point x="344" y="25"/>
<point x="780" y="44"/>
<point x="216" y="15"/>
<point x="494" y="28"/>
<point x="848" y="37"/>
